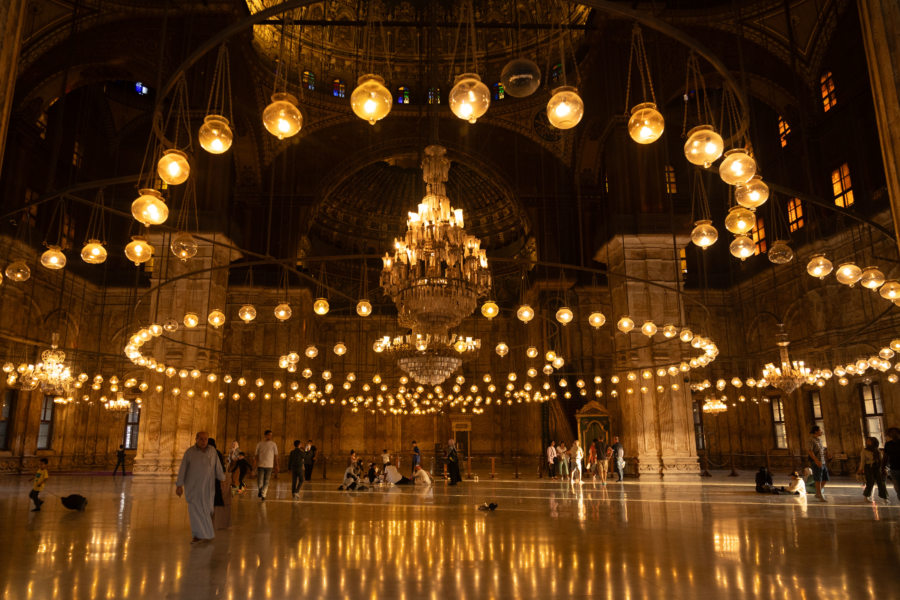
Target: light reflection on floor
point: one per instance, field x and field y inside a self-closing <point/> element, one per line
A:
<point x="547" y="540"/>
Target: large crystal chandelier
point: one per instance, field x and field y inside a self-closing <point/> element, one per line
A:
<point x="714" y="405"/>
<point x="791" y="374"/>
<point x="437" y="272"/>
<point x="429" y="358"/>
<point x="51" y="374"/>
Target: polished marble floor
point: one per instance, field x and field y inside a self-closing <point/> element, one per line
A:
<point x="709" y="539"/>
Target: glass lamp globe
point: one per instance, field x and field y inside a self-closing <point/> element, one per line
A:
<point x="646" y="123"/>
<point x="149" y="208"/>
<point x="819" y="266"/>
<point x="283" y="311"/>
<point x="520" y="77"/>
<point x="93" y="252"/>
<point x="704" y="234"/>
<point x="53" y="258"/>
<point x="247" y="313"/>
<point x="18" y="271"/>
<point x="216" y="318"/>
<point x="890" y="290"/>
<point x="596" y="320"/>
<point x="311" y="352"/>
<point x="686" y="335"/>
<point x="191" y="320"/>
<point x="215" y="134"/>
<point x="848" y="273"/>
<point x="340" y="349"/>
<point x="565" y="108"/>
<point x="490" y="309"/>
<point x="282" y="118"/>
<point x="740" y="220"/>
<point x="469" y="98"/>
<point x="173" y="167"/>
<point x="525" y="313"/>
<point x="703" y="146"/>
<point x="753" y="194"/>
<point x="625" y="324"/>
<point x="364" y="308"/>
<point x="501" y="349"/>
<point x="320" y="306"/>
<point x="738" y="167"/>
<point x="170" y="325"/>
<point x="780" y="253"/>
<point x="742" y="247"/>
<point x="649" y="328"/>
<point x="531" y="352"/>
<point x="138" y="250"/>
<point x="184" y="246"/>
<point x="670" y="331"/>
<point x="564" y="315"/>
<point x="371" y="101"/>
<point x="871" y="278"/>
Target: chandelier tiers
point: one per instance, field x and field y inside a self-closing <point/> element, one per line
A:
<point x="429" y="358"/>
<point x="51" y="374"/>
<point x="790" y="375"/>
<point x="437" y="272"/>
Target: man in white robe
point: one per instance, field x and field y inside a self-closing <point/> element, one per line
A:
<point x="198" y="475"/>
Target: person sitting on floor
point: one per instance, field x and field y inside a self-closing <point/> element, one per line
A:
<point x="372" y="475"/>
<point x="764" y="482"/>
<point x="421" y="476"/>
<point x="392" y="475"/>
<point x="351" y="479"/>
<point x="796" y="486"/>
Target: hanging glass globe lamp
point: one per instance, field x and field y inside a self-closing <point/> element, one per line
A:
<point x="848" y="273"/>
<point x="704" y="234"/>
<point x="215" y="134"/>
<point x="738" y="167"/>
<point x="596" y="319"/>
<point x="53" y="258"/>
<point x="872" y="278"/>
<point x="216" y="318"/>
<point x="364" y="308"/>
<point x="742" y="247"/>
<point x="138" y="250"/>
<point x="780" y="253"/>
<point x="525" y="313"/>
<point x="320" y="306"/>
<point x="283" y="311"/>
<point x="469" y="98"/>
<point x="740" y="220"/>
<point x="703" y="146"/>
<point x="371" y="101"/>
<point x="490" y="309"/>
<point x="649" y="328"/>
<point x="191" y="320"/>
<point x="183" y="246"/>
<point x="501" y="349"/>
<point x="890" y="290"/>
<point x="173" y="167"/>
<point x="93" y="252"/>
<point x="646" y="123"/>
<point x="247" y="313"/>
<point x="753" y="194"/>
<point x="149" y="208"/>
<point x="625" y="324"/>
<point x="282" y="118"/>
<point x="819" y="266"/>
<point x="564" y="315"/>
<point x="18" y="271"/>
<point x="340" y="349"/>
<point x="565" y="108"/>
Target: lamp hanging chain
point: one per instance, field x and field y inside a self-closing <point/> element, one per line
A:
<point x="177" y="117"/>
<point x="638" y="55"/>
<point x="220" y="95"/>
<point x="694" y="80"/>
<point x="699" y="202"/>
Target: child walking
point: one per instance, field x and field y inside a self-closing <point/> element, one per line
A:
<point x="40" y="478"/>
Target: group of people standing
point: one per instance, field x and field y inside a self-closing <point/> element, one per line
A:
<point x="568" y="463"/>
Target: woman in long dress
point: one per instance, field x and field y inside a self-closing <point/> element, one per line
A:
<point x="577" y="458"/>
<point x="453" y="463"/>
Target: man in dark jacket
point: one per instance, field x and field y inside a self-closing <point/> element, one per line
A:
<point x="296" y="465"/>
<point x="309" y="460"/>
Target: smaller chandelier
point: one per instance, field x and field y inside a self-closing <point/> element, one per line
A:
<point x="429" y="358"/>
<point x="791" y="374"/>
<point x="714" y="406"/>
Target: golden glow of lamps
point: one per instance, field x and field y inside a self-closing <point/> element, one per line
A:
<point x="649" y="328"/>
<point x="283" y="311"/>
<point x="890" y="290"/>
<point x="53" y="258"/>
<point x="340" y="349"/>
<point x="149" y="208"/>
<point x="173" y="167"/>
<point x="565" y="108"/>
<point x="501" y="349"/>
<point x="490" y="309"/>
<point x="191" y="320"/>
<point x="597" y="319"/>
<point x="247" y="313"/>
<point x="742" y="247"/>
<point x="625" y="324"/>
<point x="138" y="250"/>
<point x="311" y="352"/>
<point x="738" y="167"/>
<point x="646" y="123"/>
<point x="564" y="315"/>
<point x="320" y="306"/>
<point x="18" y="271"/>
<point x="670" y="331"/>
<point x="703" y="146"/>
<point x="740" y="220"/>
<point x="183" y="246"/>
<point x="371" y="101"/>
<point x="752" y="194"/>
<point x="704" y="234"/>
<point x="216" y="318"/>
<point x="469" y="98"/>
<point x="686" y="335"/>
<point x="819" y="266"/>
<point x="531" y="352"/>
<point x="93" y="252"/>
<point x="525" y="313"/>
<point x="215" y="134"/>
<point x="848" y="274"/>
<point x="282" y="118"/>
<point x="364" y="308"/>
<point x="871" y="278"/>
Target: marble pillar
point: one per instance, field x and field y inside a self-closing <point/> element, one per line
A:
<point x="880" y="22"/>
<point x="170" y="418"/>
<point x="12" y="21"/>
<point x="655" y="410"/>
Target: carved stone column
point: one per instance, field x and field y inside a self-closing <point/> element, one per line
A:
<point x="12" y="21"/>
<point x="169" y="421"/>
<point x="880" y="22"/>
<point x="656" y="419"/>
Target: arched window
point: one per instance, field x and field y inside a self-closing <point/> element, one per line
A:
<point x="497" y="91"/>
<point x="402" y="95"/>
<point x="338" y="89"/>
<point x="434" y="95"/>
<point x="556" y="75"/>
<point x="758" y="235"/>
<point x="784" y="128"/>
<point x="309" y="80"/>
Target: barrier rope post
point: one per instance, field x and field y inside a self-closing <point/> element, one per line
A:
<point x="493" y="471"/>
<point x="469" y="467"/>
<point x="704" y="462"/>
<point x="324" y="467"/>
<point x="516" y="463"/>
<point x="540" y="467"/>
<point x="733" y="471"/>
